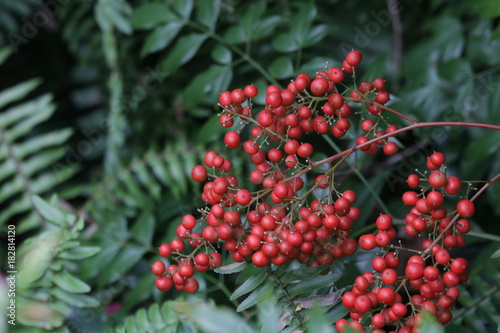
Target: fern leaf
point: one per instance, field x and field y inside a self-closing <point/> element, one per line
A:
<point x="26" y="159"/>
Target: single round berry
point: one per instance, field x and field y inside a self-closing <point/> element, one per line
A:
<point x="164" y="283"/>
<point x="465" y="208"/>
<point x="251" y="91"/>
<point x="158" y="268"/>
<point x="354" y="58"/>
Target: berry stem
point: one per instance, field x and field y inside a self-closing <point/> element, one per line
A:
<point x="406" y="129"/>
<point x="289" y="299"/>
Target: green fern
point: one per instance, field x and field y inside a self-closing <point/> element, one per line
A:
<point x="179" y="316"/>
<point x="135" y="202"/>
<point x="47" y="289"/>
<point x="28" y="158"/>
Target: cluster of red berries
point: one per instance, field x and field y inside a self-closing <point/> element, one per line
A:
<point x="432" y="275"/>
<point x="276" y="218"/>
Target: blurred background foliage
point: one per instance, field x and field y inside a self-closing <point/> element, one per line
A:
<point x="109" y="104"/>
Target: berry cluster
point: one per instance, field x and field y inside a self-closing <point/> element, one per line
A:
<point x="280" y="216"/>
<point x="431" y="275"/>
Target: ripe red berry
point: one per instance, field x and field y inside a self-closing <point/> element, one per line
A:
<point x="164" y="283"/>
<point x="437" y="159"/>
<point x="390" y="148"/>
<point x="437" y="179"/>
<point x="305" y="150"/>
<point x="453" y="185"/>
<point x="465" y="208"/>
<point x="442" y="256"/>
<point x="225" y="99"/>
<point x="165" y="250"/>
<point x="191" y="285"/>
<point x="232" y="139"/>
<point x="379" y="83"/>
<point x="319" y="86"/>
<point x="384" y="222"/>
<point x="251" y="91"/>
<point x="199" y="173"/>
<point x="354" y="58"/>
<point x="238" y="96"/>
<point x="158" y="268"/>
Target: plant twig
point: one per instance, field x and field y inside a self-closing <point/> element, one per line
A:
<point x="289" y="298"/>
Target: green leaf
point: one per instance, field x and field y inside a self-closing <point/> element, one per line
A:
<point x="185" y="49"/>
<point x="231" y="268"/>
<point x="265" y="27"/>
<point x="4" y="54"/>
<point x="313" y="284"/>
<point x="250" y="284"/>
<point x="496" y="32"/>
<point x="207" y="85"/>
<point x="251" y="18"/>
<point x="222" y="54"/>
<point x="161" y="37"/>
<point x="496" y="254"/>
<point x="144" y="228"/>
<point x="284" y="43"/>
<point x="255" y="297"/>
<point x="282" y="68"/>
<point x="69" y="283"/>
<point x="49" y="212"/>
<point x="183" y="7"/>
<point x="79" y="253"/>
<point x="152" y="14"/>
<point x="207" y="12"/>
<point x="128" y="256"/>
<point x="484" y="146"/>
<point x="302" y="23"/>
<point x="142" y="321"/>
<point x="488" y="8"/>
<point x="316" y="34"/>
<point x="214" y="320"/>
<point x="318" y="322"/>
<point x="114" y="13"/>
<point x="429" y="324"/>
<point x="16" y="93"/>
<point x="77" y="300"/>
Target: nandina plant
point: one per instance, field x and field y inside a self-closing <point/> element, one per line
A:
<point x="294" y="209"/>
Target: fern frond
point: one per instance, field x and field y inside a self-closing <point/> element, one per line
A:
<point x="47" y="288"/>
<point x="27" y="157"/>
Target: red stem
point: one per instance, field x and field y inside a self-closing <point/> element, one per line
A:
<point x="406" y="129"/>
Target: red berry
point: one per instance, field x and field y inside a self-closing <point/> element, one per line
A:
<point x="305" y="150"/>
<point x="158" y="268"/>
<point x="165" y="250"/>
<point x="465" y="208"/>
<point x="319" y="86"/>
<point x="390" y="148"/>
<point x="225" y="99"/>
<point x="164" y="283"/>
<point x="354" y="58"/>
<point x="437" y="159"/>
<point x="251" y="91"/>
<point x="238" y="96"/>
<point x="191" y="285"/>
<point x="453" y="185"/>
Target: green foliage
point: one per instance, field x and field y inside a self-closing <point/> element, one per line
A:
<point x="28" y="158"/>
<point x="47" y="281"/>
<point x="481" y="300"/>
<point x="144" y="76"/>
